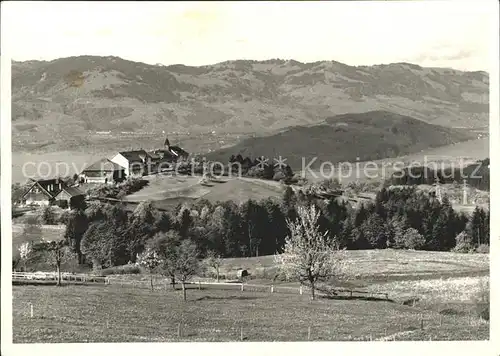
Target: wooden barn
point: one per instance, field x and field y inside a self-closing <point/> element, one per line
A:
<point x="103" y="171"/>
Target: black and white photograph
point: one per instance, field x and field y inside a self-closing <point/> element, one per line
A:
<point x="269" y="173"/>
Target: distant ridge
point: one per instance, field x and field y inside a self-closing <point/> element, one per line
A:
<point x="367" y="136"/>
<point x="53" y="100"/>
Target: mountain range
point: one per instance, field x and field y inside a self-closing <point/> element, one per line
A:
<point x="63" y="98"/>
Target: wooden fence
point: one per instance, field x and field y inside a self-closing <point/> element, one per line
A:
<point x="50" y="276"/>
<point x="146" y="283"/>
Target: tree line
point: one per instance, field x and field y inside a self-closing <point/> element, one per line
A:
<point x="476" y="175"/>
<point x="110" y="235"/>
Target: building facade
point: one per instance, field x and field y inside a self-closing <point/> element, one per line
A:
<point x="103" y="171"/>
<point x="135" y="163"/>
<point x="45" y="192"/>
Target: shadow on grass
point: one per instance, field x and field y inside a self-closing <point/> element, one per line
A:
<point x="343" y="297"/>
<point x="207" y="184"/>
<point x="218" y="181"/>
<point x="53" y="283"/>
<point x="232" y="297"/>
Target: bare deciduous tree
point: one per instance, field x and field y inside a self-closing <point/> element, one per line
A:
<point x="186" y="263"/>
<point x="308" y="256"/>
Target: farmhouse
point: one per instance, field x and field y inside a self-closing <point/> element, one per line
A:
<point x="69" y="197"/>
<point x="51" y="191"/>
<point x="135" y="163"/>
<point x="103" y="171"/>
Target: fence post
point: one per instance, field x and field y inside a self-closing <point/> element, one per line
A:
<point x="242" y="287"/>
<point x="31" y="310"/>
<point x="421" y="323"/>
<point x="440" y="320"/>
<point x="199" y="285"/>
<point x="308" y="333"/>
<point x="179" y="330"/>
<point x="272" y="288"/>
<point x="241" y="333"/>
<point x="300" y="290"/>
<point x="370" y="337"/>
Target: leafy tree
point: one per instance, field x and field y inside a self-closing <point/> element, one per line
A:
<point x="162" y="223"/>
<point x="184" y="222"/>
<point x="486" y="239"/>
<point x="106" y="243"/>
<point x="413" y="239"/>
<point x="53" y="252"/>
<point x="375" y="232"/>
<point x="276" y="228"/>
<point x="289" y="203"/>
<point x="308" y="255"/>
<point x="47" y="216"/>
<point x="141" y="227"/>
<point x="254" y="219"/>
<point x="165" y="245"/>
<point x="76" y="225"/>
<point x="18" y="191"/>
<point x="398" y="225"/>
<point x="464" y="242"/>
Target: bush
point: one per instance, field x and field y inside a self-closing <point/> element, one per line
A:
<point x="410" y="239"/>
<point x="132" y="185"/>
<point x="279" y="176"/>
<point x="414" y="240"/>
<point x="483" y="248"/>
<point x="126" y="269"/>
<point x="63" y="204"/>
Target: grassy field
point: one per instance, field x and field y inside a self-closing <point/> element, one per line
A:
<point x="387" y="264"/>
<point x="437" y="280"/>
<point x="164" y="189"/>
<point x="126" y="314"/>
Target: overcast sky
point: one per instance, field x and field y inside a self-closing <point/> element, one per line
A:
<point x="442" y="34"/>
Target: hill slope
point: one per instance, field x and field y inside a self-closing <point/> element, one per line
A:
<point x="367" y="136"/>
<point x="52" y="100"/>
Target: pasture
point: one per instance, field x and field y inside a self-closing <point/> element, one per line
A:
<point x="444" y="285"/>
<point x="164" y="189"/>
<point x="127" y="314"/>
<point x="438" y="280"/>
